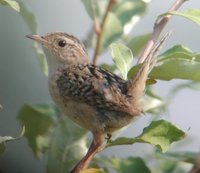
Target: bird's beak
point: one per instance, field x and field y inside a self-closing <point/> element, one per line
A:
<point x="38" y="39"/>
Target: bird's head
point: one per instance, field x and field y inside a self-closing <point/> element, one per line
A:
<point x="61" y="49"/>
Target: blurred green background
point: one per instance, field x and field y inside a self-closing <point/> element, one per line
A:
<point x="22" y="80"/>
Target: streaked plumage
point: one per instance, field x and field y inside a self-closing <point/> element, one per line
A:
<point x="94" y="98"/>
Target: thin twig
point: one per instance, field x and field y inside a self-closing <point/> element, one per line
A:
<point x="99" y="31"/>
<point x="157" y="31"/>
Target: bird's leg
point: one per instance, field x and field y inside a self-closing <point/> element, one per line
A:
<point x="95" y="147"/>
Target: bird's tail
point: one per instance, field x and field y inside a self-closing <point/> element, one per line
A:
<point x="136" y="85"/>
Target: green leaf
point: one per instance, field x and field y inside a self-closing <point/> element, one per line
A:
<point x="2" y="147"/>
<point x="169" y="166"/>
<point x="177" y="63"/>
<point x="132" y="72"/>
<point x="92" y="170"/>
<point x="41" y="58"/>
<point x="188" y="157"/>
<point x="191" y="14"/>
<point x="13" y="4"/>
<point x="28" y="17"/>
<point x="129" y="12"/>
<point x="39" y="121"/>
<point x="175" y="162"/>
<point x="136" y="44"/>
<point x="131" y="164"/>
<point x="31" y="22"/>
<point x="92" y="8"/>
<point x="153" y="105"/>
<point x="4" y="139"/>
<point x="187" y="85"/>
<point x="108" y="67"/>
<point x="123" y="15"/>
<point x="67" y="146"/>
<point x="112" y="31"/>
<point x="123" y="57"/>
<point x="159" y="133"/>
<point x="126" y="9"/>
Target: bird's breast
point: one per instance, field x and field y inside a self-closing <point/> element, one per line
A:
<point x="81" y="113"/>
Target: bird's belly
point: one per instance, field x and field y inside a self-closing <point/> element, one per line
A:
<point x="88" y="117"/>
<point x="81" y="113"/>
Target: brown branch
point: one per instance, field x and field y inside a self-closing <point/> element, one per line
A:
<point x="196" y="166"/>
<point x="157" y="31"/>
<point x="99" y="31"/>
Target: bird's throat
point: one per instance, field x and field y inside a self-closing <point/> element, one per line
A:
<point x="52" y="61"/>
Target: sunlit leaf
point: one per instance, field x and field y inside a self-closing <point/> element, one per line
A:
<point x="159" y="133"/>
<point x="39" y="121"/>
<point x="67" y="147"/>
<point x="177" y="63"/>
<point x="130" y="164"/>
<point x="191" y="14"/>
<point x="13" y="4"/>
<point x="136" y="44"/>
<point x="4" y="139"/>
<point x="123" y="57"/>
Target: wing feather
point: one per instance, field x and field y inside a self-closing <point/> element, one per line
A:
<point x="95" y="86"/>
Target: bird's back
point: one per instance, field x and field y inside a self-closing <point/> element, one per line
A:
<point x="90" y="94"/>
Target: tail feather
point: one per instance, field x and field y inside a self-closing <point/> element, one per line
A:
<point x="136" y="85"/>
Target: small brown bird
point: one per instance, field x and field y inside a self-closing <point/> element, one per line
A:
<point x="92" y="97"/>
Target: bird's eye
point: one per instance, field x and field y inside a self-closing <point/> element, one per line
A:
<point x="62" y="43"/>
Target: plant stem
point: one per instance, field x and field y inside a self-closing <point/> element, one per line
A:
<point x="158" y="27"/>
<point x="99" y="31"/>
<point x="196" y="166"/>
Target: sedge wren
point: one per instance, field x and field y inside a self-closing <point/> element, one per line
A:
<point x="94" y="98"/>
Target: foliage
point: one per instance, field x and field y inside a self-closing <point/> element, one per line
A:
<point x="182" y="62"/>
<point x="191" y="14"/>
<point x="48" y="132"/>
<point x="13" y="4"/>
<point x="131" y="164"/>
<point x="159" y="133"/>
<point x="38" y="121"/>
<point x="122" y="57"/>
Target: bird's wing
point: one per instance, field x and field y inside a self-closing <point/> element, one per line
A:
<point x="95" y="86"/>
